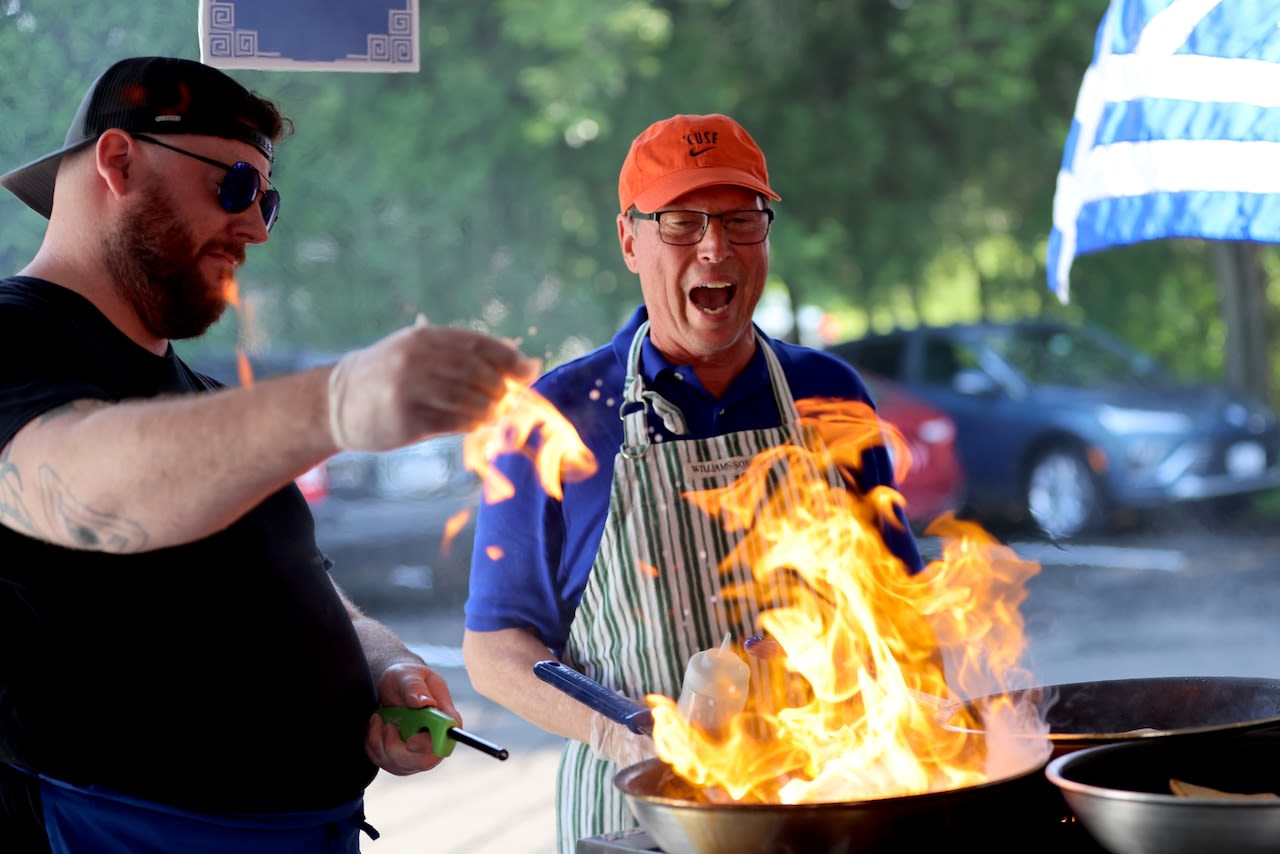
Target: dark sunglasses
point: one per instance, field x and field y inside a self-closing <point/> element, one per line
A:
<point x="240" y="187"/>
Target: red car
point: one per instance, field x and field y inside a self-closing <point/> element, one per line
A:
<point x="935" y="482"/>
<point x="314" y="483"/>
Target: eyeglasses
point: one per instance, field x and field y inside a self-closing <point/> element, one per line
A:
<point x="240" y="187"/>
<point x="685" y="228"/>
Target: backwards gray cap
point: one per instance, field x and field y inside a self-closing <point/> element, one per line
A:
<point x="146" y="94"/>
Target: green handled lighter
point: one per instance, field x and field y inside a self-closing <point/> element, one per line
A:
<point x="444" y="730"/>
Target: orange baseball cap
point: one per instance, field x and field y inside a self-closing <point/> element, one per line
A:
<point x="687" y="152"/>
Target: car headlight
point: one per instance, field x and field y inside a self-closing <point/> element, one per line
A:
<point x="1147" y="453"/>
<point x="1119" y="420"/>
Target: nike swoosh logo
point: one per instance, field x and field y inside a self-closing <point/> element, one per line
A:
<point x="694" y="152"/>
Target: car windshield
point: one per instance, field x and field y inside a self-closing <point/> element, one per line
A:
<point x="1059" y="356"/>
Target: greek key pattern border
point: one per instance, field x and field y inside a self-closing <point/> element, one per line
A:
<point x="223" y="44"/>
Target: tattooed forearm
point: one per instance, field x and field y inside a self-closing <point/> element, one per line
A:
<point x="75" y="525"/>
<point x="13" y="512"/>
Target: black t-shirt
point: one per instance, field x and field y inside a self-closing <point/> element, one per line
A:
<point x="221" y="676"/>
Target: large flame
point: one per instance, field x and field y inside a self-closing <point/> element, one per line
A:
<point x="559" y="456"/>
<point x="851" y="706"/>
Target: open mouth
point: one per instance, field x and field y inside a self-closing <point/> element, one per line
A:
<point x="713" y="297"/>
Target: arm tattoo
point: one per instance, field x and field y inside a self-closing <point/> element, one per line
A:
<point x="12" y="510"/>
<point x="73" y="524"/>
<point x="68" y="522"/>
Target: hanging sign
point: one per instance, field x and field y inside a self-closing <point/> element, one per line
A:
<point x="310" y="35"/>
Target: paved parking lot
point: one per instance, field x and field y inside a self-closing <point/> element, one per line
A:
<point x="471" y="803"/>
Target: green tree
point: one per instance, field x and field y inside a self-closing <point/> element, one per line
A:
<point x="915" y="144"/>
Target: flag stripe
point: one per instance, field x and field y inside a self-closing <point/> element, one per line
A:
<point x="1133" y="168"/>
<point x="1165" y="119"/>
<point x="1186" y="78"/>
<point x="1200" y="214"/>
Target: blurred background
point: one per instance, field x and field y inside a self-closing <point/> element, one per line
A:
<point x="916" y="145"/>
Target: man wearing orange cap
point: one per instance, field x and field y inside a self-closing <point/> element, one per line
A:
<point x="681" y="399"/>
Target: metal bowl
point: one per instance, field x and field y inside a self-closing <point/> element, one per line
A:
<point x="1121" y="794"/>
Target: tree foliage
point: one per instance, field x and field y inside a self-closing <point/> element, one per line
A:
<point x="915" y="143"/>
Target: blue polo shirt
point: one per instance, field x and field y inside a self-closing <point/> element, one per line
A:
<point x="533" y="554"/>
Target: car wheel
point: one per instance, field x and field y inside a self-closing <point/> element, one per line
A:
<point x="1062" y="496"/>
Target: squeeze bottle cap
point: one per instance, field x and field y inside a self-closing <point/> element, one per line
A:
<point x="717" y="672"/>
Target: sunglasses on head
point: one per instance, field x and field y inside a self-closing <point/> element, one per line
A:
<point x="240" y="187"/>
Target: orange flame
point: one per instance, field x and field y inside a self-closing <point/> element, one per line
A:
<point x="452" y="526"/>
<point x="231" y="290"/>
<point x="851" y="709"/>
<point x="231" y="293"/>
<point x="560" y="456"/>
<point x="243" y="369"/>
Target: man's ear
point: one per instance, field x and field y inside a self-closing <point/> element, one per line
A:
<point x="627" y="241"/>
<point x="113" y="153"/>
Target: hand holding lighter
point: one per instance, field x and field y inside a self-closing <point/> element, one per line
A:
<point x="444" y="730"/>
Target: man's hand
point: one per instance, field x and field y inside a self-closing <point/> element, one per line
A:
<point x="420" y="381"/>
<point x="413" y="686"/>
<point x="613" y="742"/>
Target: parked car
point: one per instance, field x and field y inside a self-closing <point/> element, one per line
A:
<point x="414" y="471"/>
<point x="1066" y="426"/>
<point x="314" y="483"/>
<point x="935" y="482"/>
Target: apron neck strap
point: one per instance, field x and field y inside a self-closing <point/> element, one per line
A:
<point x="636" y="399"/>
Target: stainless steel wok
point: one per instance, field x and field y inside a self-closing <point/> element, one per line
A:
<point x="682" y="823"/>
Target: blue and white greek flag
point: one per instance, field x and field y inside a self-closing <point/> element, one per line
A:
<point x="1176" y="131"/>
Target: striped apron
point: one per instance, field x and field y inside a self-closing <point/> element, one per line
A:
<point x="653" y="598"/>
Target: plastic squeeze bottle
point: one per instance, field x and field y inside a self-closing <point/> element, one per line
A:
<point x="715" y="687"/>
